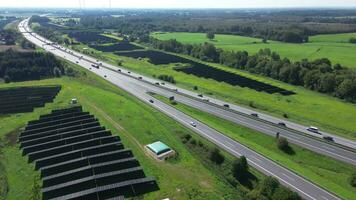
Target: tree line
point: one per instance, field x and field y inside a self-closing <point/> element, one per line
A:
<point x="318" y="75"/>
<point x="23" y="66"/>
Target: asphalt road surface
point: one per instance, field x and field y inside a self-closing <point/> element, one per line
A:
<point x="139" y="88"/>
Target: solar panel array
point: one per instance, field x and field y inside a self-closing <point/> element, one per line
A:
<point x="79" y="159"/>
<point x="25" y="99"/>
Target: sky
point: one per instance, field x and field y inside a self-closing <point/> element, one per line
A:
<point x="177" y="3"/>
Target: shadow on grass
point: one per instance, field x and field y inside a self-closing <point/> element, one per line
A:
<point x="288" y="150"/>
<point x="248" y="180"/>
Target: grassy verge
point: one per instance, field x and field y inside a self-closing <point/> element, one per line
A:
<point x="326" y="172"/>
<point x="186" y="177"/>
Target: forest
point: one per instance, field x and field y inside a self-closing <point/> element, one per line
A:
<point x="23" y="66"/>
<point x="280" y="25"/>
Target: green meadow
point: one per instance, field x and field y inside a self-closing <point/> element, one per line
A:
<point x="334" y="46"/>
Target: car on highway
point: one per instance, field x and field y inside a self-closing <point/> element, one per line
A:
<point x="151" y="101"/>
<point x="157" y="83"/>
<point x="77" y="62"/>
<point x="129" y="72"/>
<point x="200" y="95"/>
<point x="105" y="76"/>
<point x="254" y="114"/>
<point x="193" y="124"/>
<point x="282" y="124"/>
<point x="226" y="105"/>
<point x="140" y="77"/>
<point x="328" y="138"/>
<point x="119" y="70"/>
<point x="313" y="129"/>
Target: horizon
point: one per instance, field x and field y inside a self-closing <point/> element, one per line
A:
<point x="179" y="4"/>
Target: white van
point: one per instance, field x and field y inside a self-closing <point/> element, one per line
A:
<point x="313" y="129"/>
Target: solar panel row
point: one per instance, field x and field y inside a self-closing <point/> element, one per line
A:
<point x="25" y="99"/>
<point x="79" y="159"/>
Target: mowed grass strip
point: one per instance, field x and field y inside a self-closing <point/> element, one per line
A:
<point x="331" y="174"/>
<point x="135" y="122"/>
<point x="333" y="46"/>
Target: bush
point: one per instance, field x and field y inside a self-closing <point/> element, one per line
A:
<point x="352" y="40"/>
<point x="353" y="180"/>
<point x="216" y="156"/>
<point x="240" y="168"/>
<point x="285" y="115"/>
<point x="268" y="186"/>
<point x="282" y="193"/>
<point x="7" y="79"/>
<point x="167" y="78"/>
<point x="283" y="144"/>
<point x="195" y="87"/>
<point x="193" y="142"/>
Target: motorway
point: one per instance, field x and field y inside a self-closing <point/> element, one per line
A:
<point x="264" y="123"/>
<point x="139" y="88"/>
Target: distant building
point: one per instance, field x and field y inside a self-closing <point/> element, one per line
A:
<point x="159" y="150"/>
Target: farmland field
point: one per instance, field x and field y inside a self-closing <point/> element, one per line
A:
<point x="181" y="178"/>
<point x="121" y="46"/>
<point x="333" y="47"/>
<point x="204" y="71"/>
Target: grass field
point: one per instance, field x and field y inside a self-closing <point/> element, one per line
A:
<point x="326" y="172"/>
<point x="184" y="178"/>
<point x="306" y="107"/>
<point x="335" y="46"/>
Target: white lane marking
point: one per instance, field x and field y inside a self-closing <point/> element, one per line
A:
<point x="290" y="178"/>
<point x="324" y="198"/>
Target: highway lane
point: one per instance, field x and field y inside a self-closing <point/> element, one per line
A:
<point x="288" y="178"/>
<point x="268" y="128"/>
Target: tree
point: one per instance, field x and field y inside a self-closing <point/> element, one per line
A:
<point x="268" y="186"/>
<point x="216" y="156"/>
<point x="240" y="168"/>
<point x="210" y="35"/>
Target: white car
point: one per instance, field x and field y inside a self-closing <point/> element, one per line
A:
<point x="313" y="129"/>
<point x="193" y="124"/>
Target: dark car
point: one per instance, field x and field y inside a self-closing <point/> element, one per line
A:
<point x="151" y="101"/>
<point x="119" y="70"/>
<point x="254" y="114"/>
<point x="200" y="95"/>
<point x="129" y="72"/>
<point x="140" y="77"/>
<point x="157" y="83"/>
<point x="105" y="76"/>
<point x="328" y="138"/>
<point x="282" y="124"/>
<point x="226" y="106"/>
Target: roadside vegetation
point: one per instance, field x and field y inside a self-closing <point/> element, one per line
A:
<point x="319" y="75"/>
<point x="326" y="172"/>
